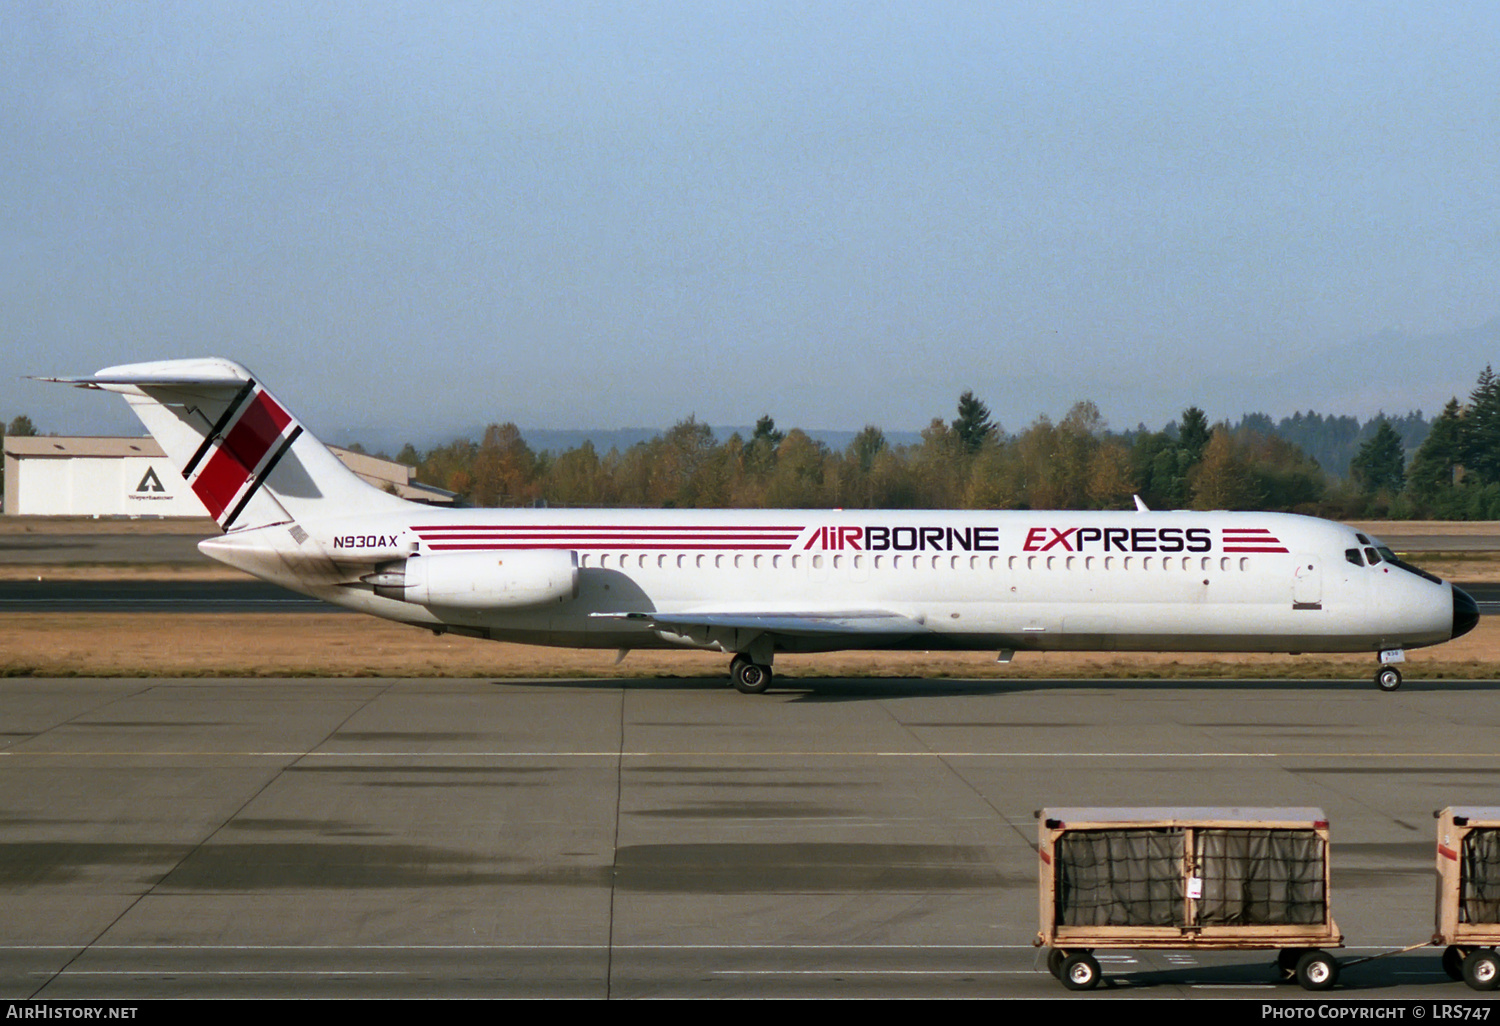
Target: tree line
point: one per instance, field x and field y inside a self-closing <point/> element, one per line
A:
<point x="1402" y="467"/>
<point x="967" y="462"/>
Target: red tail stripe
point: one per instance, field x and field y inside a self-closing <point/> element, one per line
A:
<point x="239" y="453"/>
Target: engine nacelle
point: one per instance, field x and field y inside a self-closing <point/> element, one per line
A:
<point x="491" y="580"/>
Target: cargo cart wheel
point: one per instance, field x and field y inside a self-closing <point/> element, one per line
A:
<point x="1316" y="970"/>
<point x="1055" y="959"/>
<point x="1388" y="678"/>
<point x="1481" y="970"/>
<point x="1453" y="961"/>
<point x="1080" y="971"/>
<point x="1286" y="962"/>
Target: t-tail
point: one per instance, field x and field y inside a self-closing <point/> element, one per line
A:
<point x="247" y="459"/>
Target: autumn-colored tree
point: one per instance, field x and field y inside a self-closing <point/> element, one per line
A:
<point x="941" y="467"/>
<point x="578" y="478"/>
<point x="1220" y="480"/>
<point x="1110" y="483"/>
<point x="797" y="482"/>
<point x="504" y="468"/>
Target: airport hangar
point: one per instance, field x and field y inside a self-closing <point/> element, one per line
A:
<point x="110" y="477"/>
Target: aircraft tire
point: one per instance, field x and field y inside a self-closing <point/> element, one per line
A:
<point x="734" y="669"/>
<point x="1388" y="678"/>
<point x="750" y="678"/>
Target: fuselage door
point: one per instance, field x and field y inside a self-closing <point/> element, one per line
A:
<point x="1307" y="583"/>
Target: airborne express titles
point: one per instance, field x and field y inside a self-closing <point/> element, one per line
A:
<point x="1041" y="539"/>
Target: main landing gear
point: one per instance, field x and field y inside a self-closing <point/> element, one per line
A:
<point x="749" y="678"/>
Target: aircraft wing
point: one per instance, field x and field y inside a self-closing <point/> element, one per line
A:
<point x="869" y="622"/>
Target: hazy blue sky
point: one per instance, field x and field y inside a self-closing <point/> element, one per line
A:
<point x="574" y="214"/>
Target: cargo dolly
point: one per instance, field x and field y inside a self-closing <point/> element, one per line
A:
<point x="1468" y="893"/>
<point x="1239" y="879"/>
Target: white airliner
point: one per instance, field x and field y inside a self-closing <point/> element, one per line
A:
<point x="751" y="583"/>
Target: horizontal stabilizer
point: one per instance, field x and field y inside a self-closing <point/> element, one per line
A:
<point x="208" y="372"/>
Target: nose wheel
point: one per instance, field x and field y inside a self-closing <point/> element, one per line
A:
<point x="749" y="678"/>
<point x="1387" y="678"/>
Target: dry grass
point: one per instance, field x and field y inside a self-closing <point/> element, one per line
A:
<point x="200" y="527"/>
<point x="350" y="645"/>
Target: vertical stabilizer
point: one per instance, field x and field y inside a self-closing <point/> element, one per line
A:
<point x="243" y="454"/>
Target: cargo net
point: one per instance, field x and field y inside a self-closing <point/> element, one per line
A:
<point x="1119" y="878"/>
<point x="1260" y="877"/>
<point x="1481" y="875"/>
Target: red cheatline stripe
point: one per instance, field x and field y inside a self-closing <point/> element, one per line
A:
<point x="604" y="536"/>
<point x="574" y="528"/>
<point x="1254" y="548"/>
<point x="484" y="546"/>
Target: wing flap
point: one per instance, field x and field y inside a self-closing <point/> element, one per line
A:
<point x="866" y="622"/>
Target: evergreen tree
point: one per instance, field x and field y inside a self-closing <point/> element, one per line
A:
<point x="759" y="455"/>
<point x="1192" y="438"/>
<point x="1380" y="465"/>
<point x="1434" y="469"/>
<point x="1481" y="449"/>
<point x="973" y="426"/>
<point x="21" y="427"/>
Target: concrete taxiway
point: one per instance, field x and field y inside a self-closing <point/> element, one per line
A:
<point x="572" y="838"/>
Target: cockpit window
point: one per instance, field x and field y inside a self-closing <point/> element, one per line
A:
<point x="1352" y="555"/>
<point x="1391" y="558"/>
<point x="1362" y="539"/>
<point x="1372" y="556"/>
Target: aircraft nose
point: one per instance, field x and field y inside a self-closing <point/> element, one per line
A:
<point x="1465" y="612"/>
